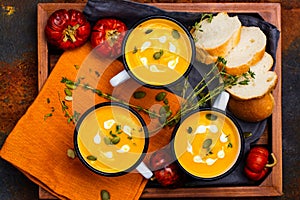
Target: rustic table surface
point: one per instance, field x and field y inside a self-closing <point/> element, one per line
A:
<point x="19" y="86"/>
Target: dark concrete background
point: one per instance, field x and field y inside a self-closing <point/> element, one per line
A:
<point x="18" y="88"/>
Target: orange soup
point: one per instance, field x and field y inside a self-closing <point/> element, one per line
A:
<point x="158" y="51"/>
<point x="207" y="144"/>
<point x="111" y="139"/>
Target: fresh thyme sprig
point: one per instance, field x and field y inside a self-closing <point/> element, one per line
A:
<point x="195" y="99"/>
<point x="231" y="80"/>
<point x="71" y="118"/>
<point x="204" y="16"/>
<point x="104" y="95"/>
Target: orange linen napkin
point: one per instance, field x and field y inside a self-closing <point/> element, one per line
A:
<point x="38" y="146"/>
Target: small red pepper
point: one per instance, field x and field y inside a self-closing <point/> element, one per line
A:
<point x="67" y="29"/>
<point x="257" y="164"/>
<point x="166" y="172"/>
<point x="107" y="37"/>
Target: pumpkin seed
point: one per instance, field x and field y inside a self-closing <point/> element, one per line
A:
<point x="247" y="134"/>
<point x="189" y="130"/>
<point x="160" y="96"/>
<point x="207" y="143"/>
<point x="139" y="94"/>
<point x="148" y="31"/>
<point x="175" y="34"/>
<point x="71" y="153"/>
<point x="162" y="110"/>
<point x="91" y="157"/>
<point x="105" y="195"/>
<point x="162" y="119"/>
<point x="158" y="54"/>
<point x="115" y="140"/>
<point x="68" y="92"/>
<point x="211" y="117"/>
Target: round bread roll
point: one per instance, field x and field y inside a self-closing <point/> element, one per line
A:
<point x="252" y="110"/>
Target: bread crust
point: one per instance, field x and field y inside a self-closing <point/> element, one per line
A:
<point x="209" y="55"/>
<point x="239" y="70"/>
<point x="223" y="49"/>
<point x="253" y="110"/>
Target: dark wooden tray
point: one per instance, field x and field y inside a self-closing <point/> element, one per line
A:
<point x="271" y="12"/>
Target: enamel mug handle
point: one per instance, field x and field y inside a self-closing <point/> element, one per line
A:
<point x="221" y="101"/>
<point x="144" y="170"/>
<point x="119" y="78"/>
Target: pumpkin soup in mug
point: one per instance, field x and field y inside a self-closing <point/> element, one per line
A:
<point x="207" y="144"/>
<point x="111" y="139"/>
<point x="158" y="51"/>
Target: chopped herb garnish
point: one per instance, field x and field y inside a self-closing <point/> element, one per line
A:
<point x="158" y="55"/>
<point x="70" y="118"/>
<point x="77" y="66"/>
<point x="135" y="50"/>
<point x="118" y="128"/>
<point x="97" y="73"/>
<point x="47" y="115"/>
<point x="112" y="134"/>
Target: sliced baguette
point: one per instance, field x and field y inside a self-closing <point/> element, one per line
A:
<point x="216" y="38"/>
<point x="264" y="65"/>
<point x="263" y="82"/>
<point x="248" y="51"/>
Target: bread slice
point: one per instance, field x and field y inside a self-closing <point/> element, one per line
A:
<point x="264" y="65"/>
<point x="248" y="52"/>
<point x="253" y="110"/>
<point x="216" y="38"/>
<point x="263" y="82"/>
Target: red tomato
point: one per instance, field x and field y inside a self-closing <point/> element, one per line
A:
<point x="107" y="37"/>
<point x="67" y="29"/>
